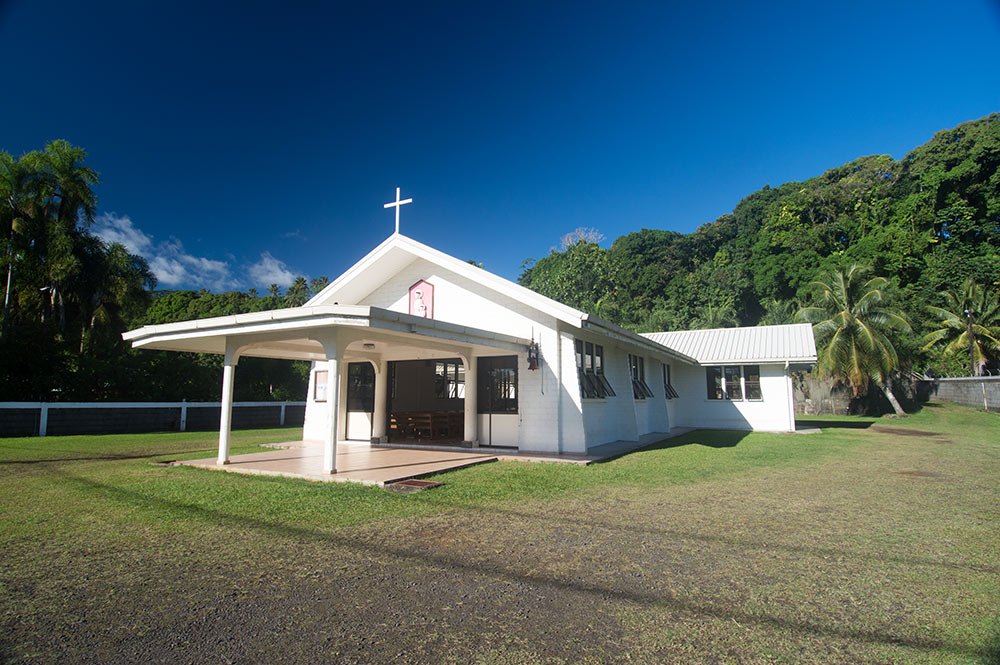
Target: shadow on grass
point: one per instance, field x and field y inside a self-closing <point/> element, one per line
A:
<point x="708" y="438"/>
<point x="991" y="651"/>
<point x="101" y="458"/>
<point x="497" y="570"/>
<point x="740" y="544"/>
<point x="832" y="424"/>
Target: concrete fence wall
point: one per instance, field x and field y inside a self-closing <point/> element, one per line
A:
<point x="60" y="418"/>
<point x="977" y="391"/>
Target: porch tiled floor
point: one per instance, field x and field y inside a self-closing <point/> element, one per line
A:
<point x="356" y="462"/>
<point x="382" y="464"/>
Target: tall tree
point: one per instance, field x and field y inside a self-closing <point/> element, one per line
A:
<point x="851" y="320"/>
<point x="969" y="323"/>
<point x="297" y="294"/>
<point x="317" y="284"/>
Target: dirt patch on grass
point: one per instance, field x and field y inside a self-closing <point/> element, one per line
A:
<point x="919" y="474"/>
<point x="899" y="431"/>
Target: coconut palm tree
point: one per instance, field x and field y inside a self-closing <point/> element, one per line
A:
<point x="297" y="293"/>
<point x="969" y="323"/>
<point x="850" y="323"/>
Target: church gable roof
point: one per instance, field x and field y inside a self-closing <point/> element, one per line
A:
<point x="398" y="251"/>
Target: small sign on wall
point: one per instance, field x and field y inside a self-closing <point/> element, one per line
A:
<point x="422" y="299"/>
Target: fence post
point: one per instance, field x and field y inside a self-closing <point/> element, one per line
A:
<point x="43" y="419"/>
<point x="283" y="413"/>
<point x="184" y="415"/>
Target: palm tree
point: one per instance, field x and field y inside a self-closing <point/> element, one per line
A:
<point x="317" y="284"/>
<point x="118" y="288"/>
<point x="969" y="322"/>
<point x="12" y="187"/>
<point x="850" y="323"/>
<point x="297" y="293"/>
<point x="274" y="290"/>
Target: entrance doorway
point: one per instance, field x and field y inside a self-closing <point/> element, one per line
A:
<point x="426" y="402"/>
<point x="497" y="401"/>
<point x="360" y="401"/>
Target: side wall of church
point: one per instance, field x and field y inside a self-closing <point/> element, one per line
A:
<point x="772" y="413"/>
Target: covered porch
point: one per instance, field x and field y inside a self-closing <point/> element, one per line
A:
<point x="337" y="335"/>
<point x="355" y="462"/>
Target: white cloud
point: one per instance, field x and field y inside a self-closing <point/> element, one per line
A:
<point x="111" y="228"/>
<point x="269" y="270"/>
<point x="174" y="267"/>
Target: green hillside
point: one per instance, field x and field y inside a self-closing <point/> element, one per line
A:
<point x="927" y="222"/>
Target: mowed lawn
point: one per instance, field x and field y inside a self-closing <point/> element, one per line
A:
<point x="877" y="541"/>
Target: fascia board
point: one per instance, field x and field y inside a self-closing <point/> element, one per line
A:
<point x="503" y="286"/>
<point x="419" y="250"/>
<point x="756" y="361"/>
<point x="617" y="333"/>
<point x="348" y="275"/>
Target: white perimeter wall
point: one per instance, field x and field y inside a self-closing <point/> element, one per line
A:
<point x="694" y="409"/>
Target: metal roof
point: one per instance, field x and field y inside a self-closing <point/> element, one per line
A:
<point x="760" y="344"/>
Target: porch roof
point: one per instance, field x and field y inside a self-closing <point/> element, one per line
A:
<point x="293" y="333"/>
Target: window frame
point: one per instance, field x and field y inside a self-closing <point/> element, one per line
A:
<point x="732" y="382"/>
<point x="669" y="391"/>
<point x="453" y="379"/>
<point x="757" y="383"/>
<point x="637" y="369"/>
<point x="360" y="393"/>
<point x="325" y="385"/>
<point x="718" y="375"/>
<point x="590" y="364"/>
<point x="509" y="366"/>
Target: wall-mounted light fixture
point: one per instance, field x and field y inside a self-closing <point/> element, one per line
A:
<point x="533" y="355"/>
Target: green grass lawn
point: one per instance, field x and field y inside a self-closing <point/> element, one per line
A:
<point x="875" y="541"/>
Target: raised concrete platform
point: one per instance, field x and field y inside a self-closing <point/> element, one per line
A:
<point x="356" y="463"/>
<point x="380" y="464"/>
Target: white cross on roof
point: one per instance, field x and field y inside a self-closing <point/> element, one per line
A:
<point x="395" y="204"/>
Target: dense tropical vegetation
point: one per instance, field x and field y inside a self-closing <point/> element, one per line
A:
<point x="68" y="296"/>
<point x="925" y="224"/>
<point x="926" y="228"/>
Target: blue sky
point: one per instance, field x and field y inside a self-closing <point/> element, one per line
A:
<point x="241" y="144"/>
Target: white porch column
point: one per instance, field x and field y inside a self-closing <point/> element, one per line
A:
<point x="226" y="416"/>
<point x="791" y="396"/>
<point x="379" y="416"/>
<point x="334" y="358"/>
<point x="342" y="399"/>
<point x="471" y="435"/>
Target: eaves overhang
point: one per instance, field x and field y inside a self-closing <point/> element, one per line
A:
<point x="282" y="328"/>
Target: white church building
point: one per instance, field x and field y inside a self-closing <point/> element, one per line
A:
<point x="411" y="346"/>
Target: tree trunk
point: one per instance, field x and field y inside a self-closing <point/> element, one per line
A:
<point x="892" y="399"/>
<point x="6" y="298"/>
